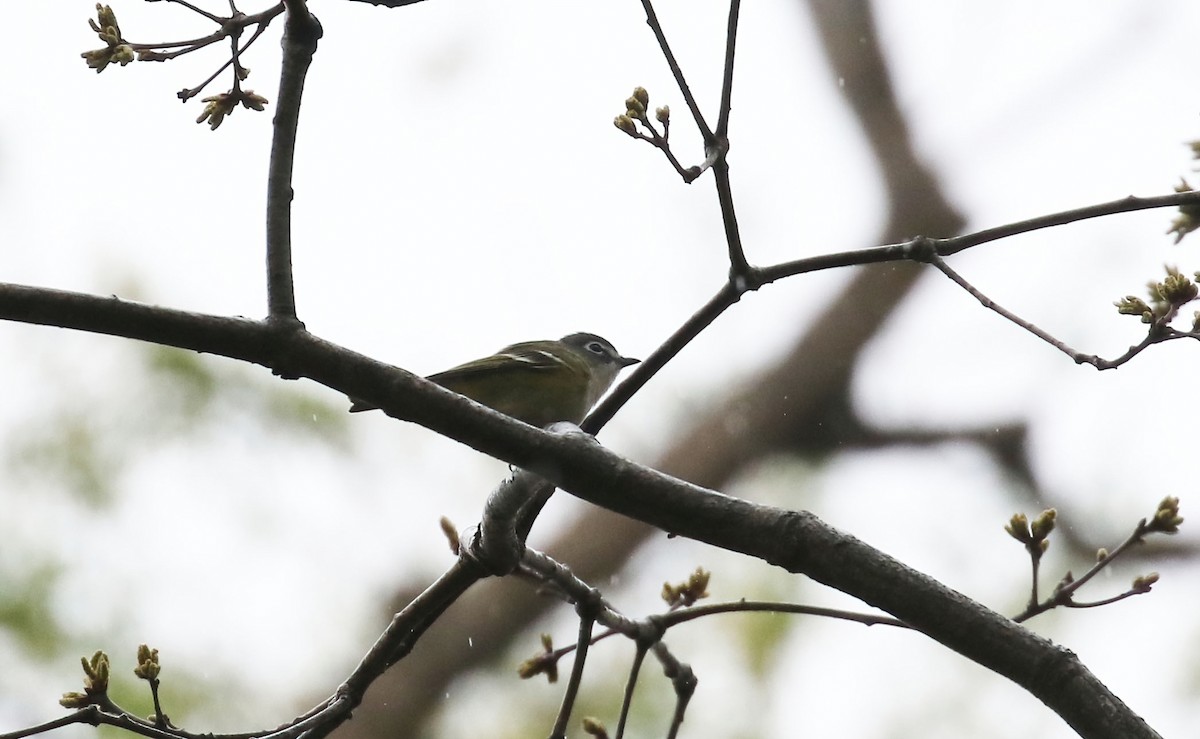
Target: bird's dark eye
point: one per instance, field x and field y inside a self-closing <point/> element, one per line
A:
<point x="595" y="347"/>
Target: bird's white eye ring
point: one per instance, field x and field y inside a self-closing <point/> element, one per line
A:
<point x="595" y="347"/>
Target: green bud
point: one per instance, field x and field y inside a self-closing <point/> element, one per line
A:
<point x="106" y="16"/>
<point x="450" y="531"/>
<point x="1131" y="305"/>
<point x="643" y="97"/>
<point x="529" y="668"/>
<point x="625" y="123"/>
<point x="75" y="700"/>
<point x="594" y="727"/>
<point x="95" y="673"/>
<point x="148" y="666"/>
<point x="662" y="114"/>
<point x="1018" y="528"/>
<point x="545" y="663"/>
<point x="1177" y="289"/>
<point x="218" y="107"/>
<point x="1166" y="518"/>
<point x="1188" y="219"/>
<point x="252" y="100"/>
<point x="1043" y="524"/>
<point x="1143" y="583"/>
<point x="98" y="59"/>
<point x="123" y="54"/>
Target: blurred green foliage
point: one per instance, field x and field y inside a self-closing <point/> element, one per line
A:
<point x="67" y="462"/>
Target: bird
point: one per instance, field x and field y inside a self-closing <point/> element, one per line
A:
<point x="538" y="382"/>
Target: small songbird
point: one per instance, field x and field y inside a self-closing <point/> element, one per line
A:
<point x="538" y="382"/>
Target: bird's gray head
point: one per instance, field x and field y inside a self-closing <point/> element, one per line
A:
<point x="603" y="359"/>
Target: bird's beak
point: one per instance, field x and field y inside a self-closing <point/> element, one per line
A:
<point x="626" y="361"/>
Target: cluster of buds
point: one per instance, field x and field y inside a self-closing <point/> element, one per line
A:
<point x="1188" y="219"/>
<point x="1034" y="536"/>
<point x="220" y="106"/>
<point x="544" y="663"/>
<point x="217" y="107"/>
<point x="148" y="666"/>
<point x="116" y="48"/>
<point x="636" y="106"/>
<point x="687" y="593"/>
<point x="1166" y="297"/>
<point x="95" y="682"/>
<point x="1166" y="518"/>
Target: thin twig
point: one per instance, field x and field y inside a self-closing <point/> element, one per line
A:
<point x="267" y="16"/>
<point x="575" y="590"/>
<point x="300" y="35"/>
<point x="683" y="680"/>
<point x="915" y="247"/>
<point x="86" y="715"/>
<point x="663" y="144"/>
<point x="656" y="27"/>
<point x="1157" y="334"/>
<point x="630" y="683"/>
<point x="683" y="615"/>
<point x="741" y="274"/>
<point x="990" y="304"/>
<point x="572" y="690"/>
<point x="96" y="715"/>
<point x="722" y="131"/>
<point x="724" y="298"/>
<point x="947" y="247"/>
<point x="196" y="43"/>
<point x="1035" y="561"/>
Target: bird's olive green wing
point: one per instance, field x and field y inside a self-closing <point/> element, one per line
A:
<point x="510" y="361"/>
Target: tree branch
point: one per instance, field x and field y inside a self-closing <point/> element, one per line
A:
<point x="796" y="541"/>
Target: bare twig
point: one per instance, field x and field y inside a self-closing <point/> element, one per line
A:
<point x="683" y="615"/>
<point x="693" y="106"/>
<point x="91" y="715"/>
<point x="635" y="669"/>
<point x="727" y="296"/>
<point x="916" y="247"/>
<point x="727" y="77"/>
<point x="1157" y="333"/>
<point x="990" y="304"/>
<point x="300" y="35"/>
<point x="572" y="691"/>
<point x="741" y="274"/>
<point x="683" y="680"/>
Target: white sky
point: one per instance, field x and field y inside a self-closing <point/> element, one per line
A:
<point x="460" y="186"/>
